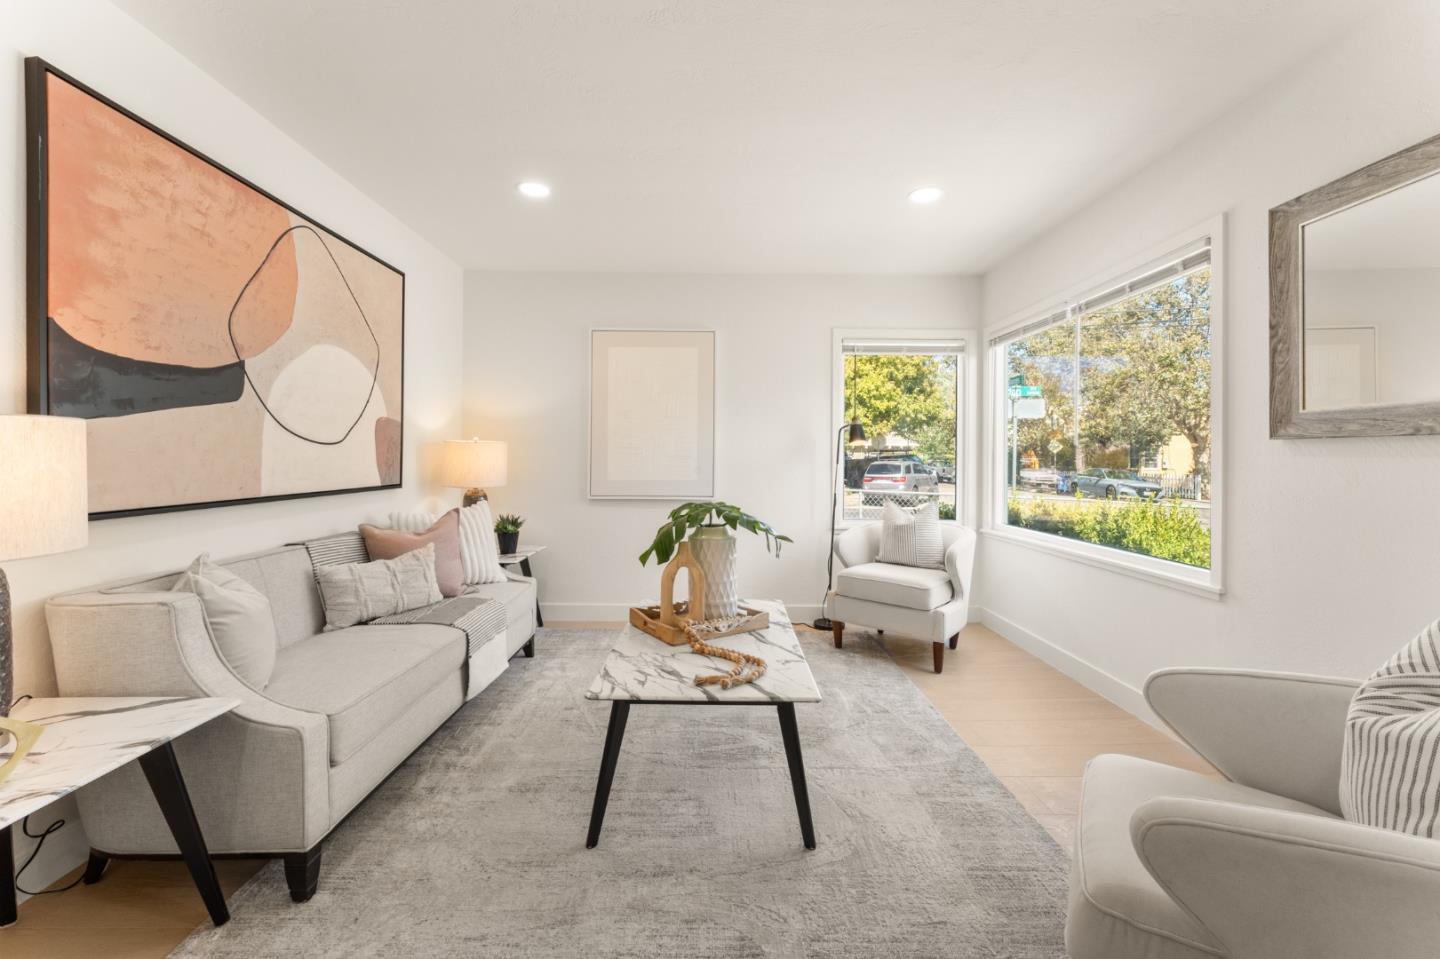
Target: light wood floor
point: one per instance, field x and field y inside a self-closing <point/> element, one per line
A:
<point x="1033" y="726"/>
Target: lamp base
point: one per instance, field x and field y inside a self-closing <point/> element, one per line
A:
<point x="473" y="495"/>
<point x="822" y="624"/>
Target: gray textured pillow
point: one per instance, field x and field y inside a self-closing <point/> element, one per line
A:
<point x="239" y="616"/>
<point x="359" y="592"/>
<point x="912" y="537"/>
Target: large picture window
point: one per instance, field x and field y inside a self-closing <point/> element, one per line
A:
<point x="1106" y="416"/>
<point x="905" y="393"/>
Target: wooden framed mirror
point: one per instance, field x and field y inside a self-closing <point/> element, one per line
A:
<point x="1355" y="303"/>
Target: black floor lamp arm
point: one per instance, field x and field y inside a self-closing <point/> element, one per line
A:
<point x="836" y="478"/>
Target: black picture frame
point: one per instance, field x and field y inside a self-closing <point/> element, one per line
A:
<point x="37" y="272"/>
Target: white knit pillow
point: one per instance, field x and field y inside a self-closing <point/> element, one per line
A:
<point x="911" y="537"/>
<point x="1390" y="773"/>
<point x="479" y="552"/>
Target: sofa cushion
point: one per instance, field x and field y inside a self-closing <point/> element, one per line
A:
<point x="1392" y="734"/>
<point x="364" y="677"/>
<point x="241" y="622"/>
<point x="911" y="537"/>
<point x="443" y="536"/>
<point x="1116" y="907"/>
<point x="356" y="593"/>
<point x="908" y="586"/>
<point x="519" y="599"/>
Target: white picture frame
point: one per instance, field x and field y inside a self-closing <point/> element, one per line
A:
<point x="652" y="414"/>
<point x="1342" y="367"/>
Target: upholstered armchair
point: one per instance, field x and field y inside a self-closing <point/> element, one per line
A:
<point x="1170" y="864"/>
<point x="931" y="604"/>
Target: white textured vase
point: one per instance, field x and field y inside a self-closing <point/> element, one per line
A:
<point x="714" y="549"/>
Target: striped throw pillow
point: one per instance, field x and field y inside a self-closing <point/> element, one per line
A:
<point x="911" y="537"/>
<point x="1390" y="773"/>
<point x="479" y="550"/>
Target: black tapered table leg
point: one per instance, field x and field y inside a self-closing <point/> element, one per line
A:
<point x="790" y="733"/>
<point x="619" y="712"/>
<point x="8" y="910"/>
<point x="525" y="569"/>
<point x="163" y="773"/>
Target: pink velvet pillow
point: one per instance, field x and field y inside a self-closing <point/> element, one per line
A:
<point x="445" y="534"/>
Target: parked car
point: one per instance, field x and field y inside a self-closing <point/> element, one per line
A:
<point x="945" y="472"/>
<point x="1114" y="484"/>
<point x="899" y="476"/>
<point x="1046" y="480"/>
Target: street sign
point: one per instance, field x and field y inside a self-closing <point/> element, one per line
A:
<point x="1054" y="447"/>
<point x="1019" y="391"/>
<point x="1031" y="408"/>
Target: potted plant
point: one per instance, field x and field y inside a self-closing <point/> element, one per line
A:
<point x="706" y="526"/>
<point x="507" y="530"/>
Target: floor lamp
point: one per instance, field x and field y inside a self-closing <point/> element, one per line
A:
<point x="857" y="435"/>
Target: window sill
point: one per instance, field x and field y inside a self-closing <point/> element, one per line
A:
<point x="1147" y="568"/>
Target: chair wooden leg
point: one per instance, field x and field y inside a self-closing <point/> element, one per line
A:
<point x="954" y="640"/>
<point x="837" y="629"/>
<point x="939" y="650"/>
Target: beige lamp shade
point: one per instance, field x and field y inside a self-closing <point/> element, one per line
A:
<point x="43" y="486"/>
<point x="474" y="464"/>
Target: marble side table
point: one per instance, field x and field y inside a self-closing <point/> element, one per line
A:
<point x="84" y="739"/>
<point x="642" y="669"/>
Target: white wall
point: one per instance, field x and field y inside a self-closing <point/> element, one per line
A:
<point x="1404" y="308"/>
<point x="526" y="381"/>
<point x="1331" y="563"/>
<point x="100" y="46"/>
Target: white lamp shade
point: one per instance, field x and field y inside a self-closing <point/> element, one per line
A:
<point x="43" y="486"/>
<point x="474" y="463"/>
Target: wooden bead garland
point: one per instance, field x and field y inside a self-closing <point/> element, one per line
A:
<point x="738" y="674"/>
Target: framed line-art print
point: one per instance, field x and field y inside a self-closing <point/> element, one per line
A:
<point x="652" y="414"/>
<point x="223" y="347"/>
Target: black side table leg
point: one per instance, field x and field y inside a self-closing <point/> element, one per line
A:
<point x="525" y="569"/>
<point x="163" y="772"/>
<point x="790" y="733"/>
<point x="9" y="912"/>
<point x="619" y="713"/>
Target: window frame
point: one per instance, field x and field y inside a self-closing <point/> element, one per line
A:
<point x="967" y="418"/>
<point x="1205" y="582"/>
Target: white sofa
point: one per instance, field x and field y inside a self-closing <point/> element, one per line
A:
<point x="1170" y="864"/>
<point x="930" y="604"/>
<point x="276" y="775"/>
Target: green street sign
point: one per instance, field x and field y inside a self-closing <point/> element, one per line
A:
<point x="1019" y="391"/>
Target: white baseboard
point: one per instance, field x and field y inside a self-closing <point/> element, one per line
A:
<point x="1092" y="677"/>
<point x="620" y="612"/>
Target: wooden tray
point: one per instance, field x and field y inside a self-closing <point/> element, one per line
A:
<point x="671" y="629"/>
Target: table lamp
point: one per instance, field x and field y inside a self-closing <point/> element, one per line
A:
<point x="472" y="465"/>
<point x="42" y="510"/>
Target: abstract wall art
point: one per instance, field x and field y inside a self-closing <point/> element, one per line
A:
<point x="224" y="347"/>
<point x="652" y="414"/>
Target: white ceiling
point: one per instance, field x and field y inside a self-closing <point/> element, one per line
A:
<point x="739" y="135"/>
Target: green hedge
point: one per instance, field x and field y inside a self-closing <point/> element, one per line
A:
<point x="1163" y="530"/>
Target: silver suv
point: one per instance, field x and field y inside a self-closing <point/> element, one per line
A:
<point x="900" y="476"/>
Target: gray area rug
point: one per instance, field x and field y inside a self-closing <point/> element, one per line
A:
<point x="476" y="845"/>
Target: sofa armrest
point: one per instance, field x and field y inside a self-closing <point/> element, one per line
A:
<point x="1280" y="732"/>
<point x="159" y="644"/>
<point x="960" y="561"/>
<point x="858" y="545"/>
<point x="1276" y="884"/>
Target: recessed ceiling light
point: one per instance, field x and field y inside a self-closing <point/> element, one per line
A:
<point x="534" y="189"/>
<point x="926" y="194"/>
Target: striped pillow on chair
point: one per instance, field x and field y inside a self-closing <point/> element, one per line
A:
<point x="1390" y="774"/>
<point x="911" y="537"/>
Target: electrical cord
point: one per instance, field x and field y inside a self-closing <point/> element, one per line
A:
<point x="40" y="838"/>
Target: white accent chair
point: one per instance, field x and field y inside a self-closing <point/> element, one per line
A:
<point x="931" y="604"/>
<point x="1170" y="864"/>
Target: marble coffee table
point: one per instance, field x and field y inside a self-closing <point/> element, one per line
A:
<point x="642" y="669"/>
